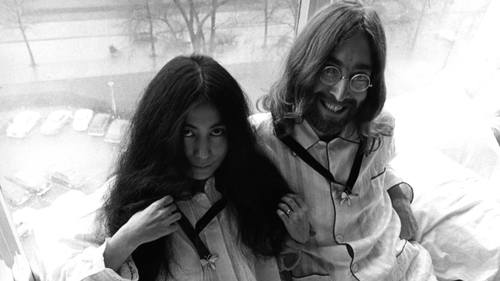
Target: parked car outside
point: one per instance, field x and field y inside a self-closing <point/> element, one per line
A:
<point x="81" y="119"/>
<point x="99" y="124"/>
<point x="22" y="124"/>
<point x="56" y="121"/>
<point x="116" y="130"/>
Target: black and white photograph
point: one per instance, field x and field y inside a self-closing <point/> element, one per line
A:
<point x="249" y="140"/>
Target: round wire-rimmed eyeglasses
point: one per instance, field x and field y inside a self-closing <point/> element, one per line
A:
<point x="358" y="83"/>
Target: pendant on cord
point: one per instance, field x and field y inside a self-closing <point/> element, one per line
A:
<point x="345" y="197"/>
<point x="343" y="193"/>
<point x="209" y="261"/>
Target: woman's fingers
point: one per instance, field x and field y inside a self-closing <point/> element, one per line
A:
<point x="166" y="211"/>
<point x="163" y="202"/>
<point x="172" y="228"/>
<point x="171" y="219"/>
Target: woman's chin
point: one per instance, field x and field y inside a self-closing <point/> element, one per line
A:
<point x="201" y="175"/>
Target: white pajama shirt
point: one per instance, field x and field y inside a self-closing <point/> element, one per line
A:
<point x="233" y="263"/>
<point x="368" y="224"/>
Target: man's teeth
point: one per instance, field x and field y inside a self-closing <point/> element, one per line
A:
<point x="334" y="107"/>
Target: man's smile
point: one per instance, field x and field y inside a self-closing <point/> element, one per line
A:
<point x="332" y="106"/>
<point x="335" y="107"/>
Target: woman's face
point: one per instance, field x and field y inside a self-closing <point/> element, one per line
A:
<point x="205" y="140"/>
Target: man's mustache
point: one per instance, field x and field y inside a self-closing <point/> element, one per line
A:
<point x="348" y="102"/>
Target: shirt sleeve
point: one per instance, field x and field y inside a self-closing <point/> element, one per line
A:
<point x="391" y="178"/>
<point x="266" y="269"/>
<point x="77" y="253"/>
<point x="89" y="266"/>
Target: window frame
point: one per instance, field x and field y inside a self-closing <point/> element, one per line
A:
<point x="10" y="245"/>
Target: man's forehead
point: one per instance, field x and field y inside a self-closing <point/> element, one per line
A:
<point x="353" y="52"/>
<point x="361" y="65"/>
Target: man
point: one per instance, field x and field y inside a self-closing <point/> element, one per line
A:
<point x="329" y="138"/>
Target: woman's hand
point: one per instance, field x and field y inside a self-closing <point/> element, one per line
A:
<point x="293" y="212"/>
<point x="155" y="221"/>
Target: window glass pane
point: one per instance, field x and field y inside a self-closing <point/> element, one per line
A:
<point x="425" y="37"/>
<point x="442" y="67"/>
<point x="71" y="73"/>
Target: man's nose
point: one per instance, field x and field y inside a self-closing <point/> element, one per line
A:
<point x="340" y="90"/>
<point x="202" y="148"/>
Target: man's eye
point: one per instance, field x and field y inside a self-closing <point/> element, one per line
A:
<point x="332" y="72"/>
<point x="218" y="132"/>
<point x="187" y="133"/>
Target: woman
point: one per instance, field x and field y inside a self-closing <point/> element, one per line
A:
<point x="193" y="197"/>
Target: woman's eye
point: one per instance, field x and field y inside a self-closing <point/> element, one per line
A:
<point x="218" y="132"/>
<point x="187" y="133"/>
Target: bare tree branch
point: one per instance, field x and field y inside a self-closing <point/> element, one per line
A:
<point x="14" y="12"/>
<point x="213" y="8"/>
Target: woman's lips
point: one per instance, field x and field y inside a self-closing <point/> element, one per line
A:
<point x="202" y="166"/>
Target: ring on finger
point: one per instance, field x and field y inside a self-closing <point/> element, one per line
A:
<point x="288" y="212"/>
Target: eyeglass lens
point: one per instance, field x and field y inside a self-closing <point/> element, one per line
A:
<point x="331" y="75"/>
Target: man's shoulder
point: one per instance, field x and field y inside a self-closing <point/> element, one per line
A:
<point x="381" y="127"/>
<point x="385" y="117"/>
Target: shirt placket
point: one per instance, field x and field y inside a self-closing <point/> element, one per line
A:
<point x="214" y="239"/>
<point x="334" y="164"/>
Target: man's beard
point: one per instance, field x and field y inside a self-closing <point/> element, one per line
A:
<point x="328" y="127"/>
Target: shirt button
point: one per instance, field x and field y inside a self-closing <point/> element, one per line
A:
<point x="339" y="238"/>
<point x="355" y="267"/>
<point x="294" y="154"/>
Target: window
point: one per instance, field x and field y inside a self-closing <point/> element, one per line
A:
<point x="72" y="72"/>
<point x="442" y="64"/>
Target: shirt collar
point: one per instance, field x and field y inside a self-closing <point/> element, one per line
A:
<point x="304" y="134"/>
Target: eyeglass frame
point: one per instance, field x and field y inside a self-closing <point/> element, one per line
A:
<point x="343" y="77"/>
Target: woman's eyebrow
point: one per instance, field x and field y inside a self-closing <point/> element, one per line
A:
<point x="218" y="124"/>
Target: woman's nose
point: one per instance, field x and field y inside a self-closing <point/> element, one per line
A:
<point x="202" y="149"/>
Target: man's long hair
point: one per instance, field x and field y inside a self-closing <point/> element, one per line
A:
<point x="329" y="28"/>
<point x="153" y="163"/>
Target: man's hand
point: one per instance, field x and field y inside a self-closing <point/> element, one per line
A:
<point x="401" y="205"/>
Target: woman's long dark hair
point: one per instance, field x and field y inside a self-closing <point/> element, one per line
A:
<point x="153" y="163"/>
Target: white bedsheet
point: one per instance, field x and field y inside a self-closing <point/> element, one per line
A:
<point x="447" y="152"/>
